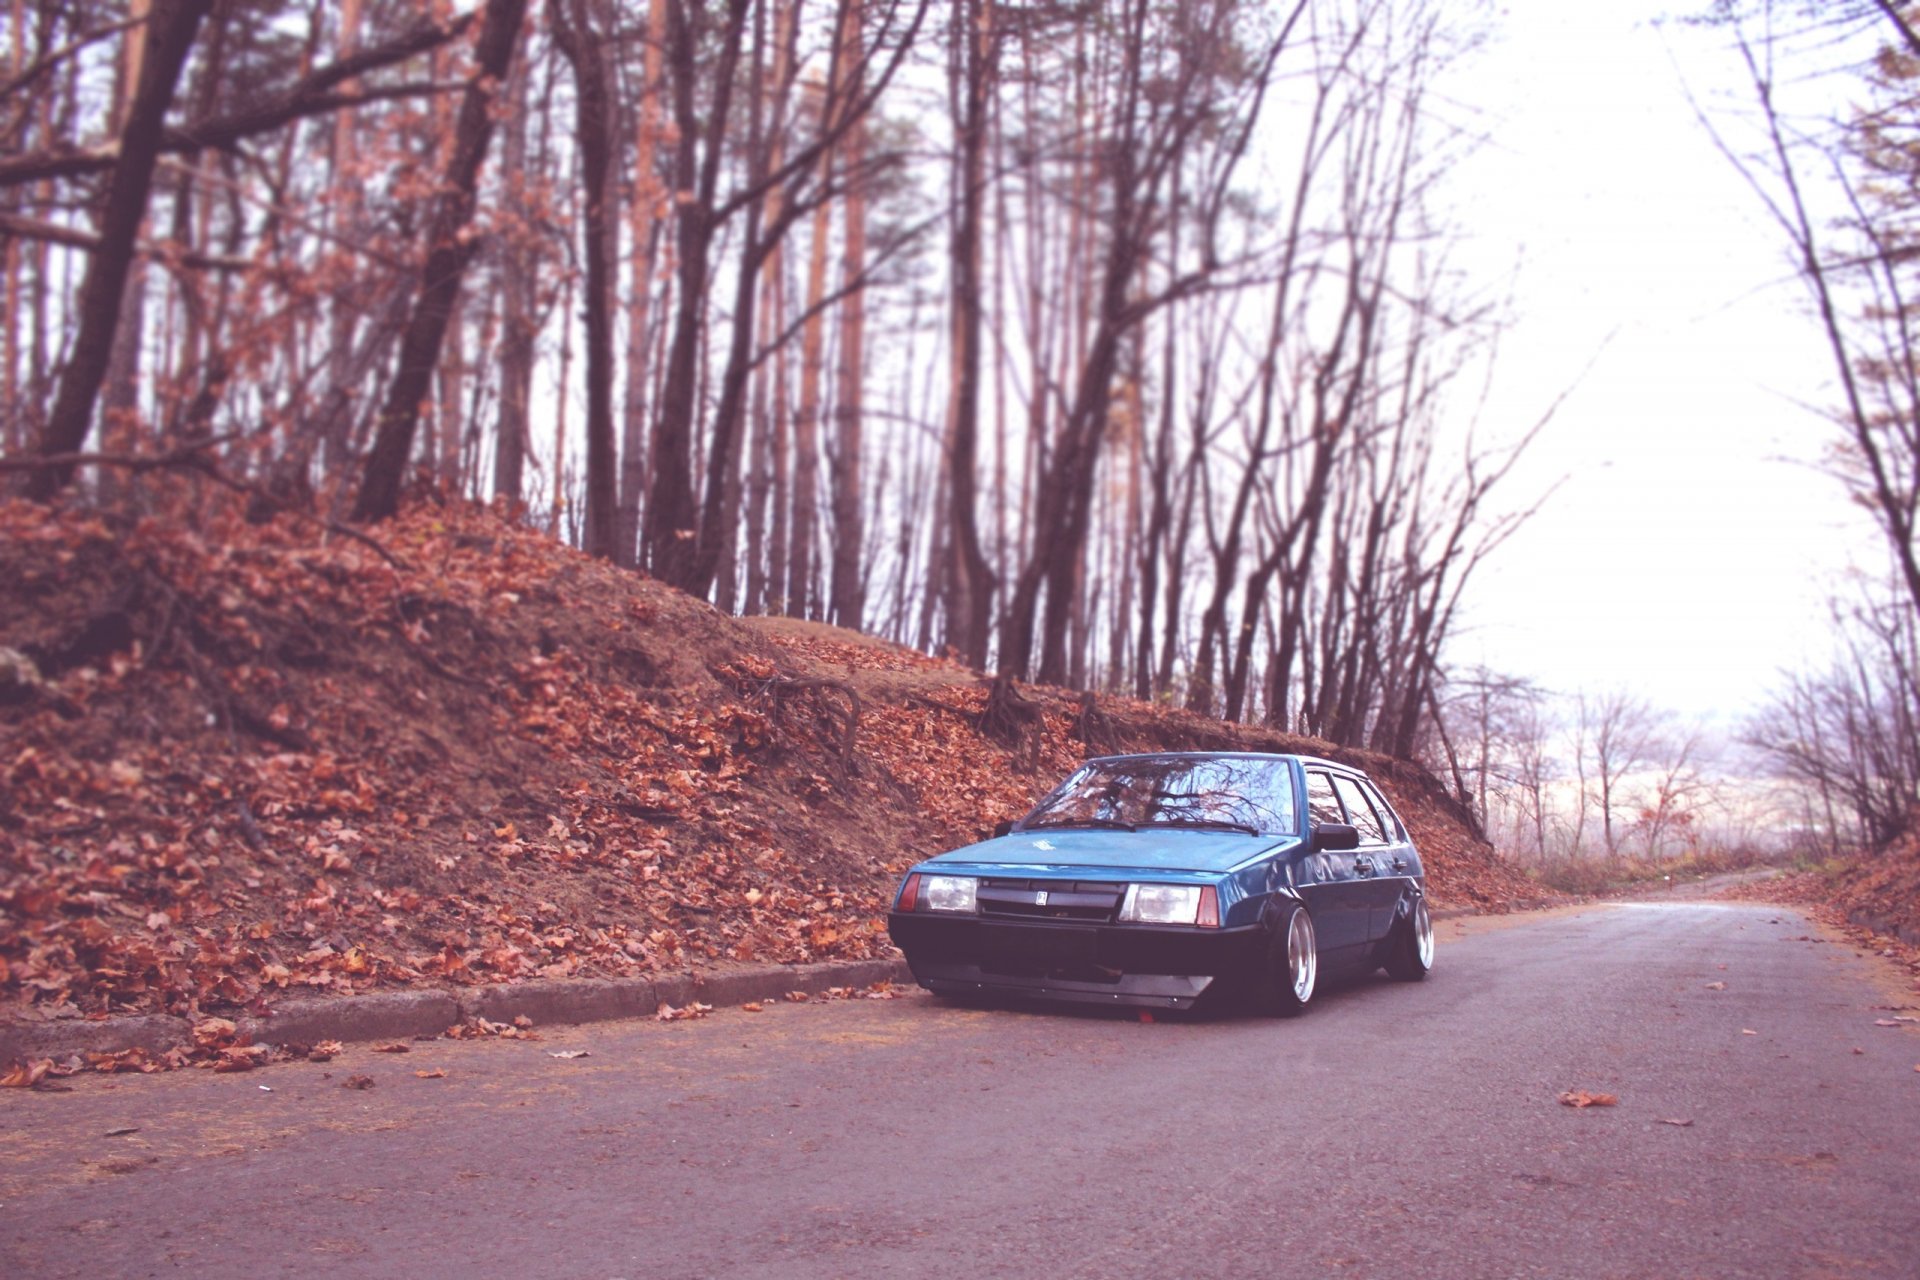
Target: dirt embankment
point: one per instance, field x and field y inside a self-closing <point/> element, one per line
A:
<point x="1877" y="894"/>
<point x="258" y="759"/>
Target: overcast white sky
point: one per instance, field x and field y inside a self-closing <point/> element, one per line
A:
<point x="1689" y="554"/>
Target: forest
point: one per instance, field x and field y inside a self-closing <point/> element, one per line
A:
<point x="1102" y="344"/>
<point x="1111" y="344"/>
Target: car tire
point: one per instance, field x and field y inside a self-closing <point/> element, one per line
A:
<point x="1291" y="968"/>
<point x="1410" y="948"/>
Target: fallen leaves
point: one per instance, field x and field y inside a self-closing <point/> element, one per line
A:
<point x="1581" y="1099"/>
<point x="329" y="843"/>
<point x="752" y="1006"/>
<point x="1716" y="986"/>
<point x="435" y="1073"/>
<point x="357" y="1082"/>
<point x="26" y="1075"/>
<point x="397" y="1046"/>
<point x="520" y="1028"/>
<point x="668" y="1013"/>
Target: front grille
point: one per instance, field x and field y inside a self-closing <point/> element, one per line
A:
<point x="1065" y="899"/>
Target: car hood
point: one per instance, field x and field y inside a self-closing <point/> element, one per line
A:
<point x="1160" y="849"/>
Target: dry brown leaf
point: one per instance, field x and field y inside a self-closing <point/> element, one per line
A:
<point x="325" y="1051"/>
<point x="667" y="1013"/>
<point x="1582" y="1099"/>
<point x="1716" y="986"/>
<point x="211" y="1032"/>
<point x="357" y="1082"/>
<point x="1677" y="1123"/>
<point x="752" y="1007"/>
<point x="25" y="1075"/>
<point x="438" y="1073"/>
<point x="396" y="1046"/>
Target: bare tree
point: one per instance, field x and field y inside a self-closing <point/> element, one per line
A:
<point x="164" y="39"/>
<point x="1618" y="734"/>
<point x="447" y="255"/>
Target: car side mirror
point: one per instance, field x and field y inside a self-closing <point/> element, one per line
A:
<point x="1002" y="828"/>
<point x="1334" y="836"/>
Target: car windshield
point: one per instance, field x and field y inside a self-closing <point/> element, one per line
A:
<point x="1218" y="792"/>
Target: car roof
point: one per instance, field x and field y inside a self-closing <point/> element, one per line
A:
<point x="1227" y="755"/>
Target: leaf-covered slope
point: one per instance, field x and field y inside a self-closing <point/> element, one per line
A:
<point x="261" y="759"/>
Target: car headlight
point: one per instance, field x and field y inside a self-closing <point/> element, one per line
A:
<point x="950" y="893"/>
<point x="1171" y="904"/>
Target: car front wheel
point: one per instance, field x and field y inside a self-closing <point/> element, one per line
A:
<point x="1410" y="951"/>
<point x="1292" y="965"/>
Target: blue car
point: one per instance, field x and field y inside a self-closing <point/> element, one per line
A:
<point x="1154" y="880"/>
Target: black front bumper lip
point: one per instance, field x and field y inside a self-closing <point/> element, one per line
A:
<point x="1118" y="965"/>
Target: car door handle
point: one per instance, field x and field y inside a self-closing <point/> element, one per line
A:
<point x="1363" y="866"/>
<point x="1399" y="863"/>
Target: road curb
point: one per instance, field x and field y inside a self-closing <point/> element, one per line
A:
<point x="385" y="1015"/>
<point x="1531" y="904"/>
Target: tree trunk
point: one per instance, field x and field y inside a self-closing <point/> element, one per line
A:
<point x="448" y="253"/>
<point x="520" y="325"/>
<point x="584" y="48"/>
<point x="848" y="592"/>
<point x="167" y="39"/>
<point x="647" y="197"/>
<point x="672" y="515"/>
<point x="801" y="601"/>
<point x="969" y="579"/>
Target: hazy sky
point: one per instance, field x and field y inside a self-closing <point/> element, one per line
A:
<point x="1690" y="552"/>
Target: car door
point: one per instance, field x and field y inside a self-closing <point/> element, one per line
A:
<point x="1403" y="861"/>
<point x="1328" y="879"/>
<point x="1377" y="882"/>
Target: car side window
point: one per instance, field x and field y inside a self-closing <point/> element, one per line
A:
<point x="1396" y="829"/>
<point x="1360" y="811"/>
<point x="1322" y="804"/>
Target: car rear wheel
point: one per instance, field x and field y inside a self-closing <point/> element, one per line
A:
<point x="1410" y="951"/>
<point x="1292" y="967"/>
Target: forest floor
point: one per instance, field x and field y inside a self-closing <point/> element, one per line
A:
<point x="264" y="759"/>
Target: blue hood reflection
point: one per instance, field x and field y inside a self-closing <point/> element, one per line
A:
<point x="1157" y="848"/>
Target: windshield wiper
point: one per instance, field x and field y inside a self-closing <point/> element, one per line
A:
<point x="1115" y="823"/>
<point x="1214" y="824"/>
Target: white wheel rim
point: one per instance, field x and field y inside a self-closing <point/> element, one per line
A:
<point x="1423" y="934"/>
<point x="1302" y="962"/>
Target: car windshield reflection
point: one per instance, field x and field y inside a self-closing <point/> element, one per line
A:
<point x="1211" y="792"/>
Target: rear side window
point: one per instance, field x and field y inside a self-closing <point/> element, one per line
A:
<point x="1360" y="811"/>
<point x="1322" y="805"/>
<point x="1396" y="829"/>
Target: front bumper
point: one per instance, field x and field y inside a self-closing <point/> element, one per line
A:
<point x="1126" y="965"/>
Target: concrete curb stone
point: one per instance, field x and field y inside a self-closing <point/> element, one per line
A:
<point x="26" y="1041"/>
<point x="373" y="1016"/>
<point x="385" y="1015"/>
<point x="586" y="1000"/>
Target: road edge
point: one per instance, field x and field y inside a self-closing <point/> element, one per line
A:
<point x="378" y="1015"/>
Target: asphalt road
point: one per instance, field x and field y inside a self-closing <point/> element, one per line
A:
<point x="1394" y="1130"/>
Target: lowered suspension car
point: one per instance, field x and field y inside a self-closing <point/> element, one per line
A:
<point x="1154" y="880"/>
